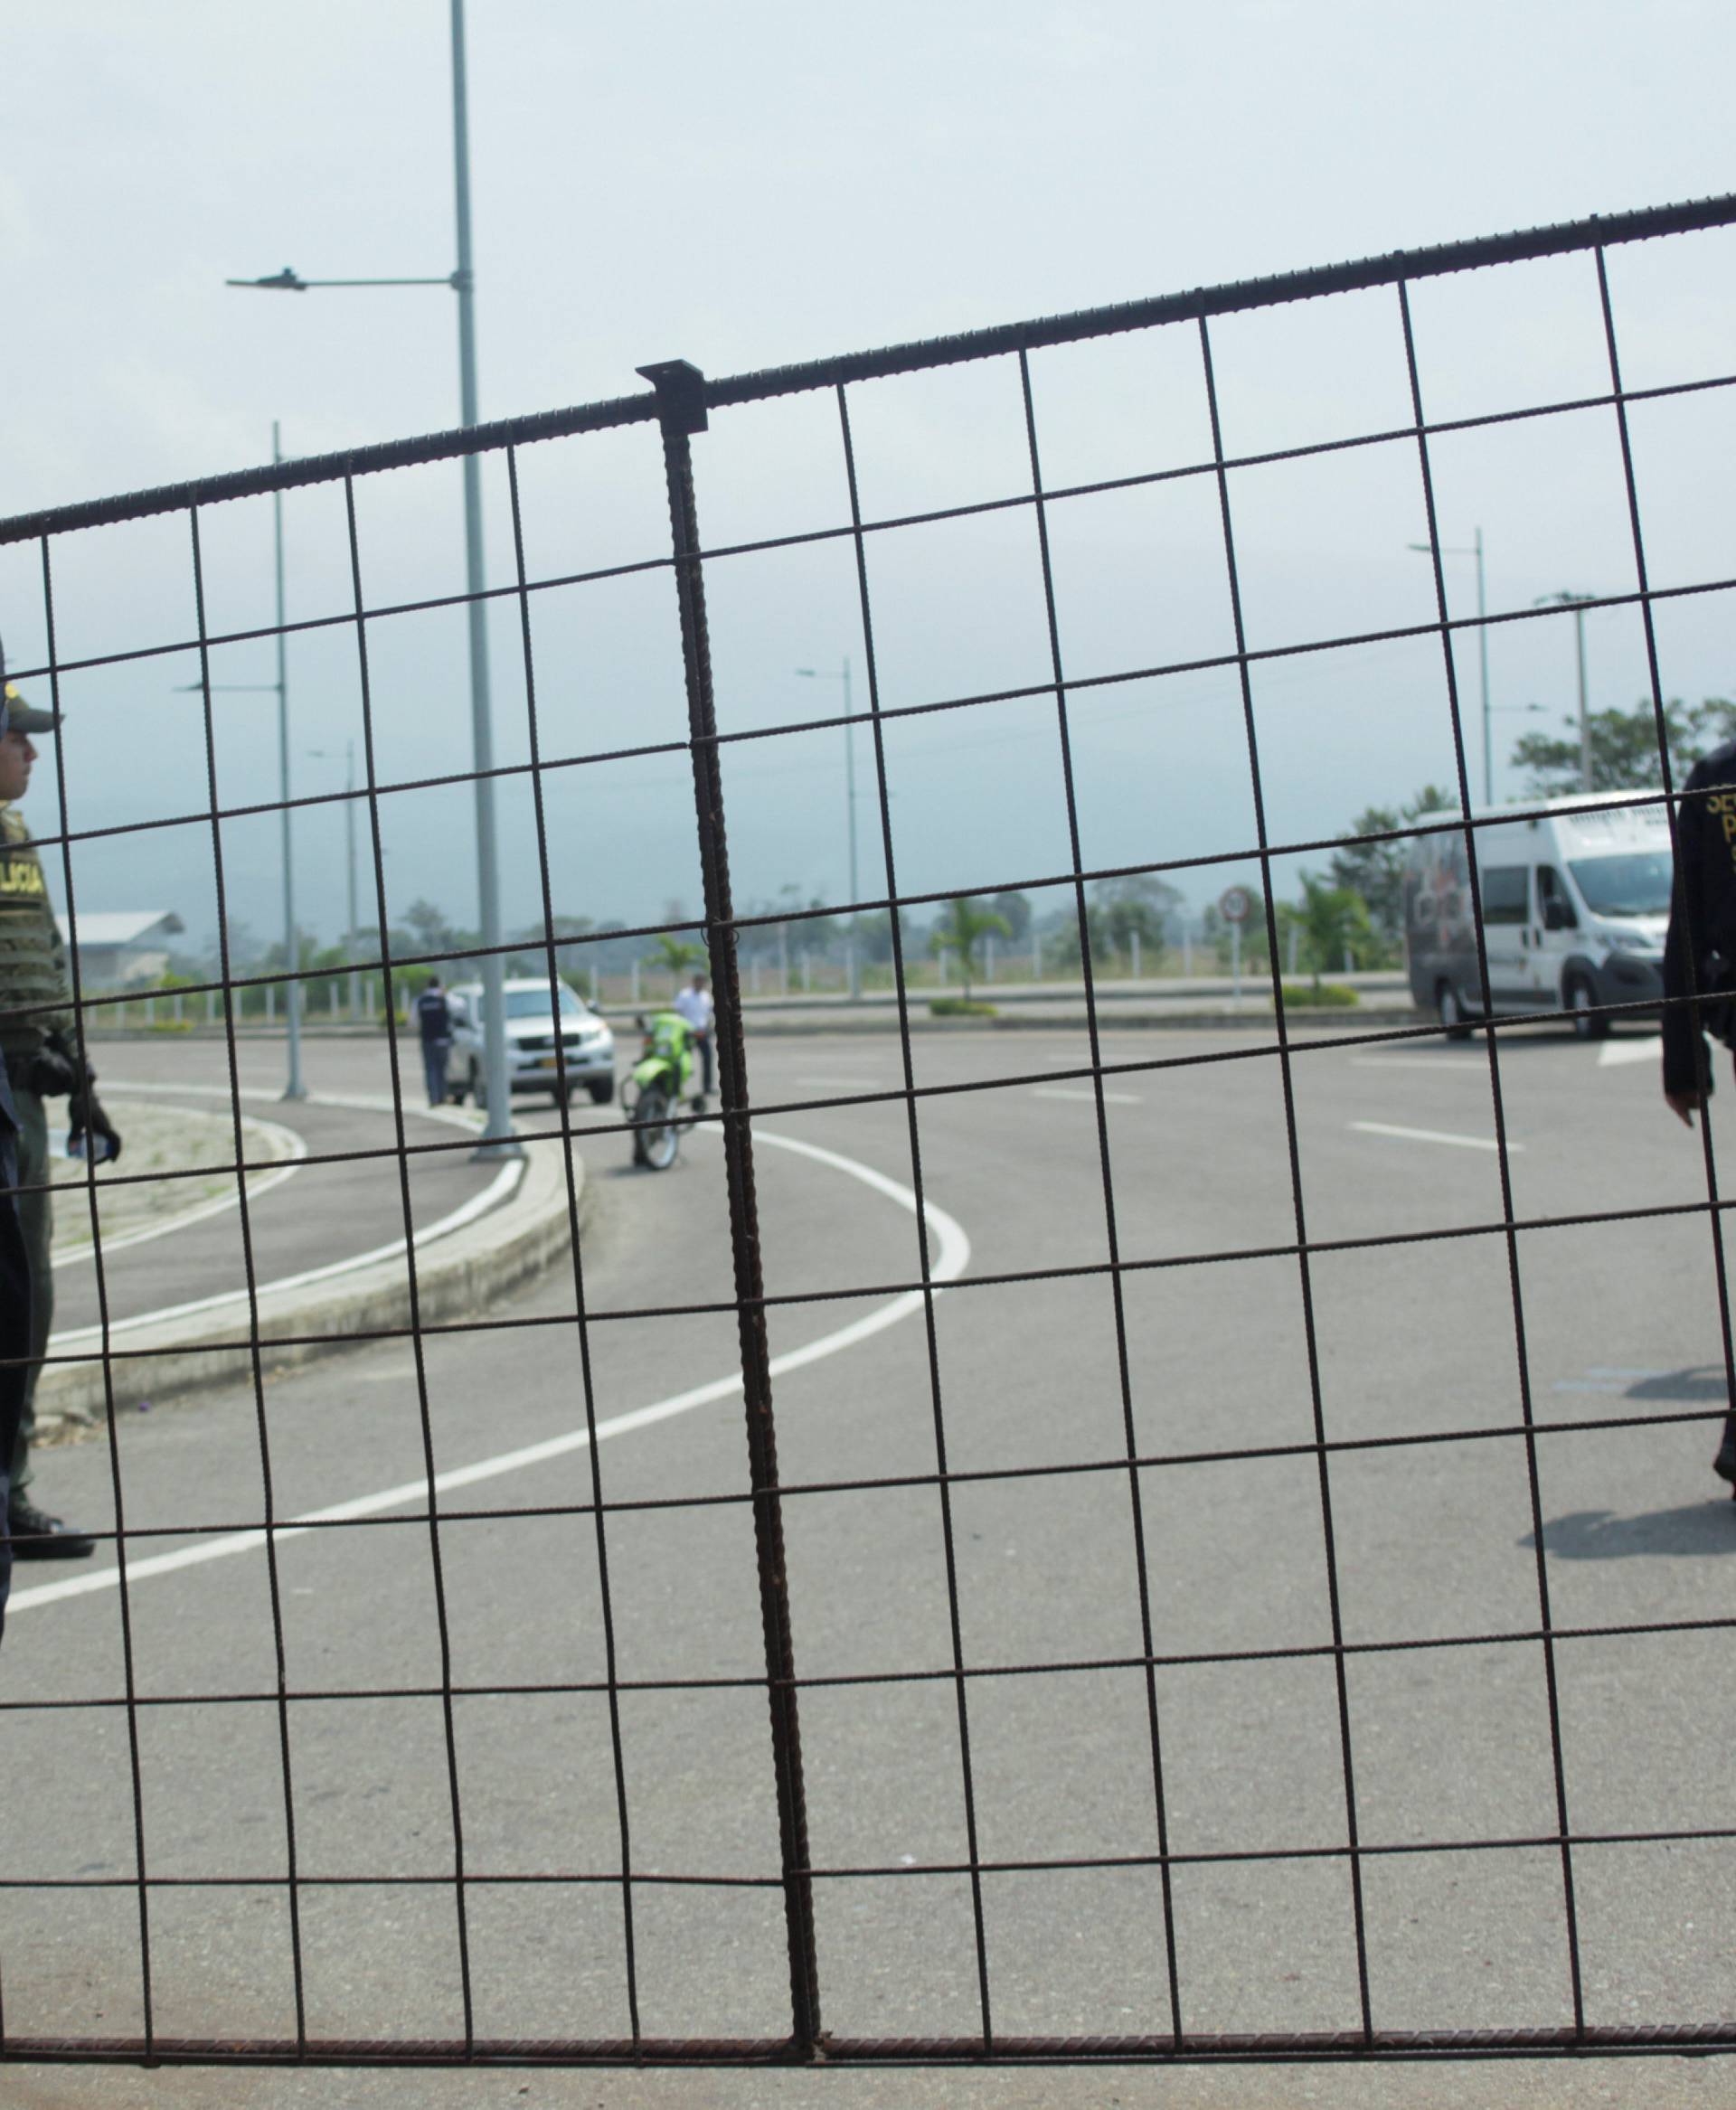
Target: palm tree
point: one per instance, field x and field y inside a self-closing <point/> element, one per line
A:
<point x="1334" y="922"/>
<point x="961" y="928"/>
<point x="677" y="956"/>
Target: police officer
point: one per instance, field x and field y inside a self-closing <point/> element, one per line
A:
<point x="14" y="1280"/>
<point x="39" y="1043"/>
<point x="1700" y="958"/>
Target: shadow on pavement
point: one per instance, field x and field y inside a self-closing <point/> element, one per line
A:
<point x="1599" y="1534"/>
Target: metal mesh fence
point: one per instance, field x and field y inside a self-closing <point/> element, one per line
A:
<point x="1159" y="1610"/>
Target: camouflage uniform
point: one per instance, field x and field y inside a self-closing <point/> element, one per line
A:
<point x="35" y="999"/>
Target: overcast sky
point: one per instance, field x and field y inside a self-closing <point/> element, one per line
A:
<point x="766" y="182"/>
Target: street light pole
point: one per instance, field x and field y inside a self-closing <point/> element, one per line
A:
<point x="1475" y="550"/>
<point x="1577" y="602"/>
<point x="497" y="1138"/>
<point x="851" y="957"/>
<point x="499" y="1132"/>
<point x="325" y="754"/>
<point x="294" y="1088"/>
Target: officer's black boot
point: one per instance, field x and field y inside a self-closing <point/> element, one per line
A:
<point x="1724" y="1463"/>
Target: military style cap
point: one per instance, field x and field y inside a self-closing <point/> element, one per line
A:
<point x="21" y="717"/>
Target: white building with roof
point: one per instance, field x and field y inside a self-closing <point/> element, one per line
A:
<point x="123" y="948"/>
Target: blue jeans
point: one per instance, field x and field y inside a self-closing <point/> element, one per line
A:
<point x="435" y="1054"/>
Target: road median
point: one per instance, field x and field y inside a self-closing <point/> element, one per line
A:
<point x="517" y="1228"/>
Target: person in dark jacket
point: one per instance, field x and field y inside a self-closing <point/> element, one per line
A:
<point x="1700" y="959"/>
<point x="434" y="1022"/>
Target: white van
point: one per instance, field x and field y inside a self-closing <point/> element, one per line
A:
<point x="1575" y="906"/>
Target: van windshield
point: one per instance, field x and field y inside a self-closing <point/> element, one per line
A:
<point x="1635" y="884"/>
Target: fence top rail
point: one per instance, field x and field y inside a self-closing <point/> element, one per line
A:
<point x="1601" y="230"/>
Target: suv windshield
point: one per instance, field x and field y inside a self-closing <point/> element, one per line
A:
<point x="534" y="1004"/>
<point x="1635" y="884"/>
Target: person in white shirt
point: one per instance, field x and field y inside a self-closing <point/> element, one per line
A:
<point x="694" y="1004"/>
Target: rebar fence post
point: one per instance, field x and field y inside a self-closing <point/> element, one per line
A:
<point x="681" y="407"/>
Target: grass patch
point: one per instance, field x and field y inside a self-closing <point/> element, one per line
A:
<point x="1326" y="996"/>
<point x="958" y="1007"/>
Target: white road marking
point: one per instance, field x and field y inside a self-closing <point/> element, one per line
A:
<point x="290" y="1146"/>
<point x="1065" y="1091"/>
<point x="497" y="1191"/>
<point x="1430" y="1136"/>
<point x="1420" y="1062"/>
<point x="947" y="1264"/>
<point x="1613" y="1053"/>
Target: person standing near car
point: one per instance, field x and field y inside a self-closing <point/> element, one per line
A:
<point x="694" y="1004"/>
<point x="1700" y="959"/>
<point x="434" y="1022"/>
<point x="39" y="1041"/>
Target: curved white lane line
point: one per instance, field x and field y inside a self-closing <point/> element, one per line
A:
<point x="948" y="1259"/>
<point x="290" y="1147"/>
<point x="497" y="1189"/>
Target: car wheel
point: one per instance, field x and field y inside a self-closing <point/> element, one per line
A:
<point x="659" y="1137"/>
<point x="1582" y="1004"/>
<point x="1451" y="1012"/>
<point x="601" y="1090"/>
<point x="476" y="1085"/>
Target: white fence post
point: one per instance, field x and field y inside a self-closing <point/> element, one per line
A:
<point x="636" y="982"/>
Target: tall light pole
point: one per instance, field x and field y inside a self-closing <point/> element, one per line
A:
<point x="327" y="755"/>
<point x="293" y="1088"/>
<point x="497" y="1140"/>
<point x="1576" y="601"/>
<point x="1476" y="549"/>
<point x="851" y="957"/>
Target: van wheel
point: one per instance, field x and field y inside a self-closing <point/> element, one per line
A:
<point x="476" y="1085"/>
<point x="1581" y="1002"/>
<point x="1451" y="1012"/>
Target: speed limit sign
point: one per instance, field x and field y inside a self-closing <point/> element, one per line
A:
<point x="1234" y="904"/>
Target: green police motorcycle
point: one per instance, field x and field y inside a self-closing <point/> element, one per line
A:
<point x="662" y="1077"/>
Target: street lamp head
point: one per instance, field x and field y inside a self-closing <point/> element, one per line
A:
<point x="283" y="281"/>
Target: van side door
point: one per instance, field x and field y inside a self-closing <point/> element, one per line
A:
<point x="1505" y="890"/>
<point x="1554" y="936"/>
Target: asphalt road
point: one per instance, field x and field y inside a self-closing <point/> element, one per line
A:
<point x="1430" y="1540"/>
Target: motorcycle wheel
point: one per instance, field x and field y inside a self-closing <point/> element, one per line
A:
<point x="658" y="1139"/>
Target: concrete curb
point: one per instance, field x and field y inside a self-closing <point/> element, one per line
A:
<point x="466" y="1269"/>
<point x="1346" y="1017"/>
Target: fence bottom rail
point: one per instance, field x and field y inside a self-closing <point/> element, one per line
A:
<point x="1662" y="2038"/>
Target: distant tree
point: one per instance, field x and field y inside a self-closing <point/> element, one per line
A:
<point x="1117" y="912"/>
<point x="1333" y="923"/>
<point x="1624" y="747"/>
<point x="1375" y="870"/>
<point x="429" y="927"/>
<point x="1015" y="908"/>
<point x="676" y="955"/>
<point x="960" y="929"/>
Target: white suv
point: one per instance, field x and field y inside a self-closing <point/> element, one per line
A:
<point x="587" y="1043"/>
